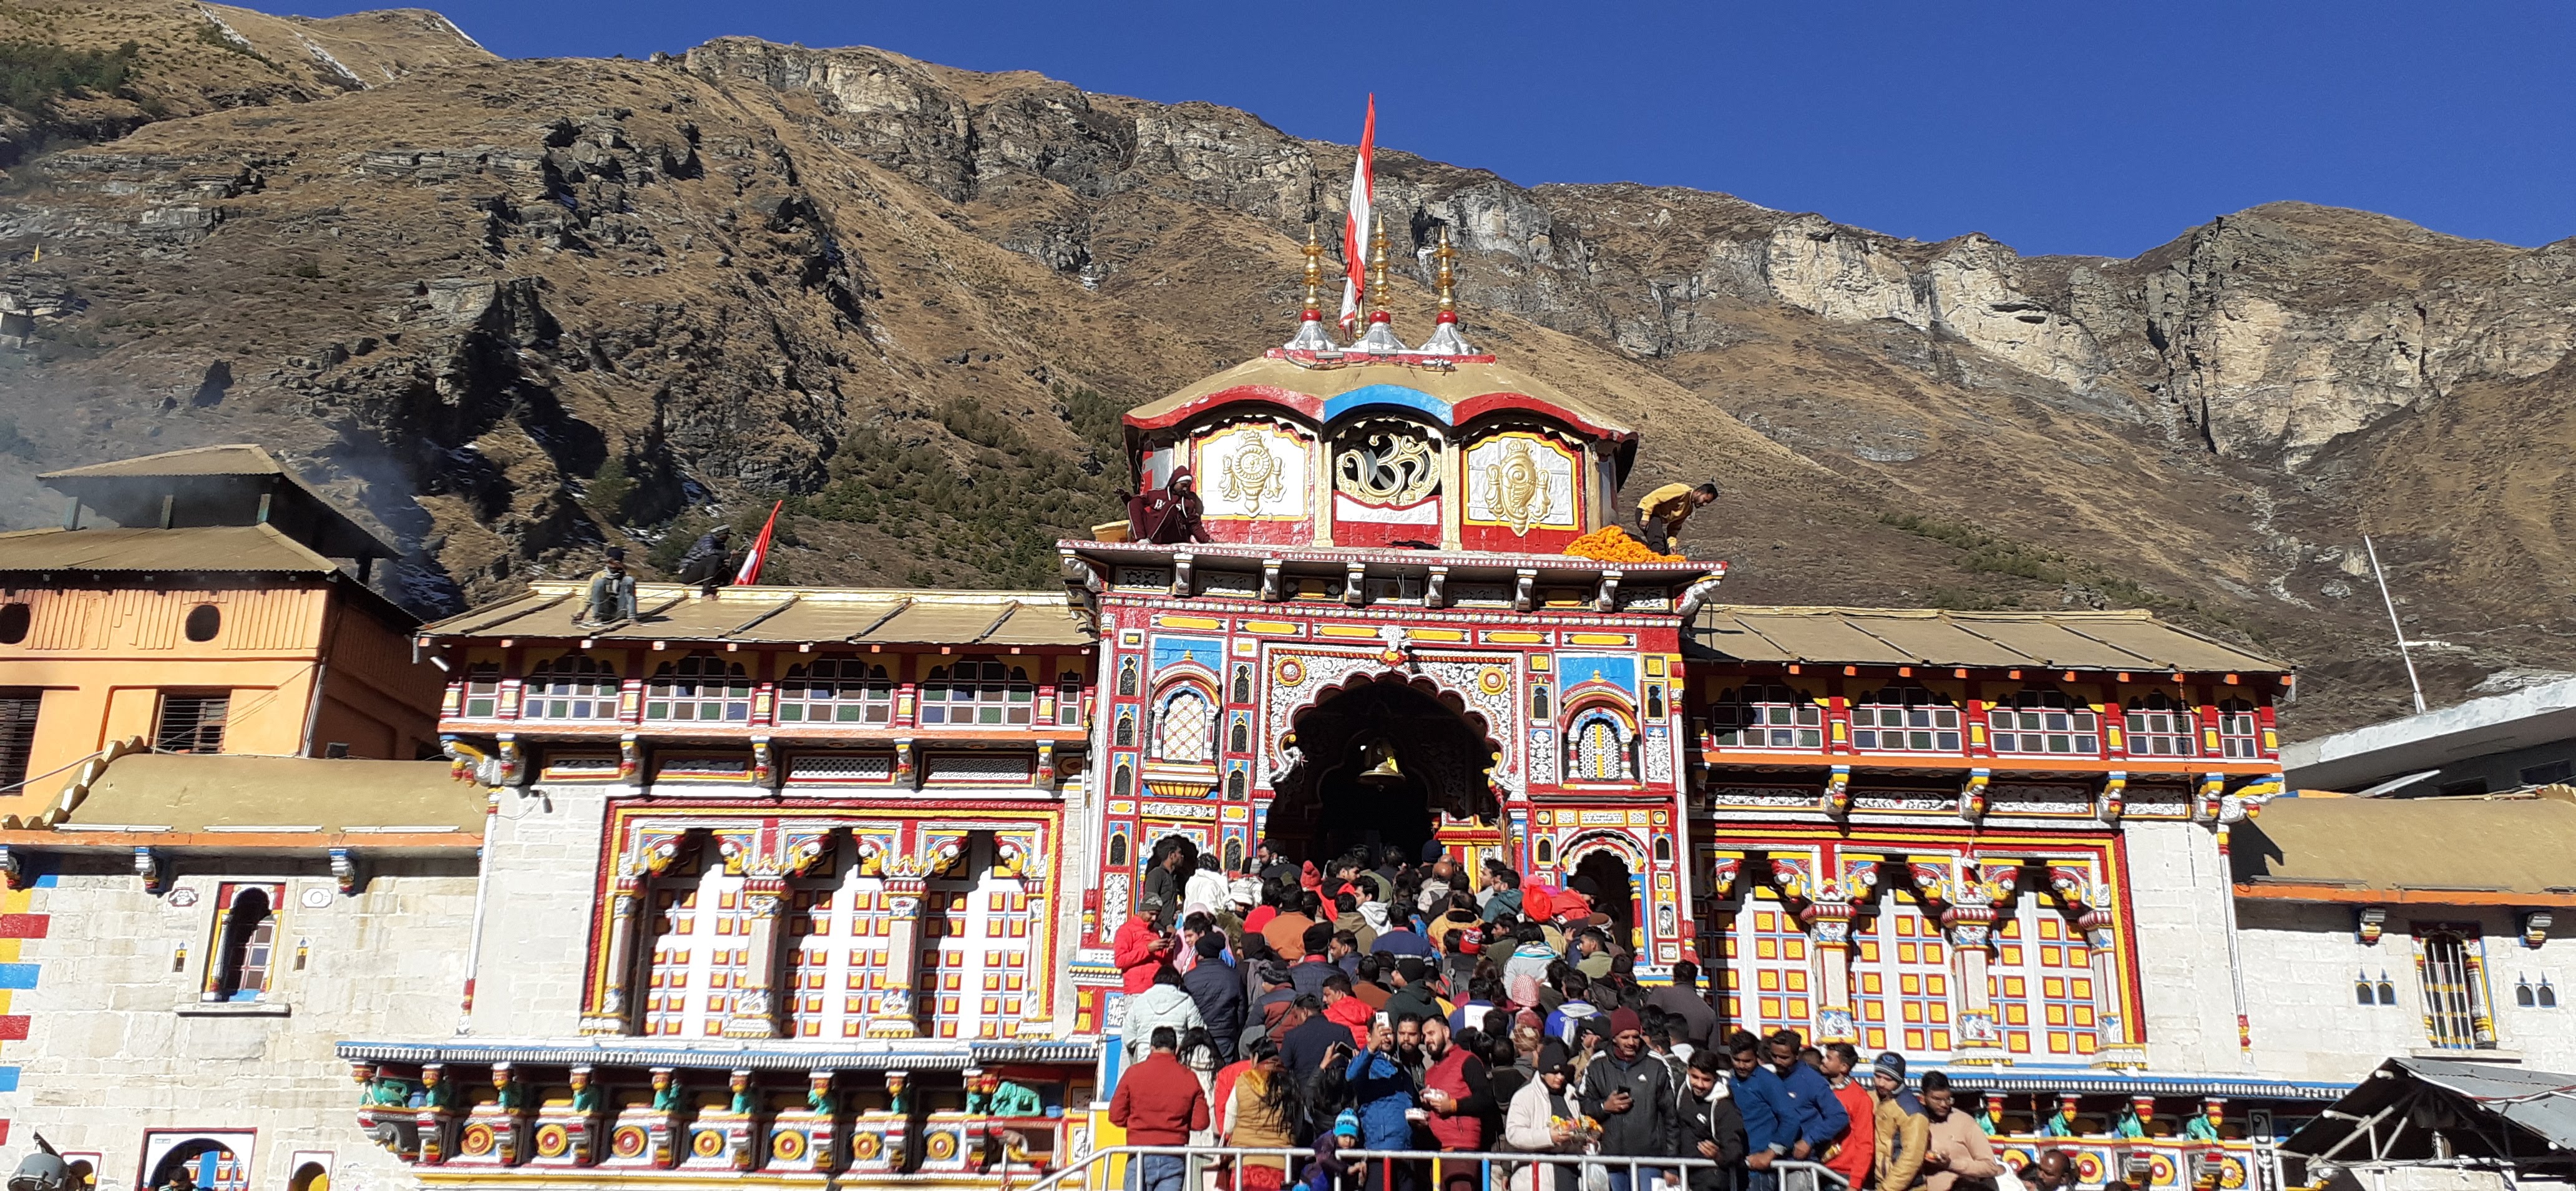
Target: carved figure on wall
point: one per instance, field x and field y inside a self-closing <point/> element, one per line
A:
<point x="1520" y="495"/>
<point x="1386" y="466"/>
<point x="1252" y="475"/>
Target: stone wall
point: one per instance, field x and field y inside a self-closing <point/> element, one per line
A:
<point x="544" y="852"/>
<point x="119" y="1044"/>
<point x="2301" y="960"/>
<point x="2178" y="896"/>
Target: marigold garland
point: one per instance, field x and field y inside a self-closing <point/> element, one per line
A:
<point x="1612" y="544"/>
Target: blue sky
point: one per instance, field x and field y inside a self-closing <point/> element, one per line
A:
<point x="2073" y="127"/>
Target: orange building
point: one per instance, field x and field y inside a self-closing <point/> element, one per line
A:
<point x="221" y="607"/>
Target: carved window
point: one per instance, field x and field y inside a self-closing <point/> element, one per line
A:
<point x="571" y="687"/>
<point x="2160" y="726"/>
<point x="482" y="691"/>
<point x="700" y="687"/>
<point x="1766" y="717"/>
<point x="192" y="722"/>
<point x="836" y="691"/>
<point x="2452" y="972"/>
<point x="245" y="950"/>
<point x="1122" y="783"/>
<point x="1539" y="707"/>
<point x="1600" y="747"/>
<point x="1185" y="726"/>
<point x="699" y="957"/>
<point x="1243" y="684"/>
<point x="978" y="691"/>
<point x="1905" y="720"/>
<point x="1386" y="463"/>
<point x="1127" y="678"/>
<point x="1118" y="850"/>
<point x="2045" y="722"/>
<point x="1240" y="739"/>
<point x="2240" y="736"/>
<point x="1235" y="788"/>
<point x="1124" y="735"/>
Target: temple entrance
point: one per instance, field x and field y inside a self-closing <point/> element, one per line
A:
<point x="1615" y="894"/>
<point x="1380" y="762"/>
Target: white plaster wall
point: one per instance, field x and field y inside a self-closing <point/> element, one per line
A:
<point x="543" y="852"/>
<point x="108" y="1056"/>
<point x="2178" y="894"/>
<point x="2300" y="960"/>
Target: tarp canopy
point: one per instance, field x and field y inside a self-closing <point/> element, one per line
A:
<point x="2414" y="1110"/>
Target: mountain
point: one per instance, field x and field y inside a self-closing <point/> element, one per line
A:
<point x="516" y="309"/>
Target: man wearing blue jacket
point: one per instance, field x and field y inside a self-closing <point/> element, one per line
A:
<point x="1381" y="1090"/>
<point x="1821" y="1117"/>
<point x="1770" y="1117"/>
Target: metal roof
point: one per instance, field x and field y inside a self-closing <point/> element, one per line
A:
<point x="231" y="459"/>
<point x="2527" y="718"/>
<point x="2114" y="641"/>
<point x="2393" y="1115"/>
<point x="784" y="615"/>
<point x="2435" y="850"/>
<point x="214" y="792"/>
<point x="236" y="548"/>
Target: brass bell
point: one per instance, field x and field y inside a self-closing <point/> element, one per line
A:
<point x="1382" y="770"/>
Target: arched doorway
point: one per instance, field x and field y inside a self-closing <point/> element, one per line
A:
<point x="198" y="1165"/>
<point x="1614" y="890"/>
<point x="1382" y="760"/>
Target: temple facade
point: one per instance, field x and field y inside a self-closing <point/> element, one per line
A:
<point x="799" y="885"/>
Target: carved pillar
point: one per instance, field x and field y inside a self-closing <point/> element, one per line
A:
<point x="896" y="1016"/>
<point x="2118" y="1044"/>
<point x="1970" y="922"/>
<point x="1829" y="923"/>
<point x="614" y="1012"/>
<point x="755" y="1005"/>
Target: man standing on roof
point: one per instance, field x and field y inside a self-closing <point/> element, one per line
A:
<point x="612" y="591"/>
<point x="1661" y="514"/>
<point x="708" y="564"/>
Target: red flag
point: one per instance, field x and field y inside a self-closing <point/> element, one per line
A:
<point x="750" y="573"/>
<point x="1355" y="224"/>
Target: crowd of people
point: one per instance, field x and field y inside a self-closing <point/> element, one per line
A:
<point x="1379" y="1003"/>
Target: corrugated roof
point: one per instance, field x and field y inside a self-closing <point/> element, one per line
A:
<point x="191" y="792"/>
<point x="2364" y="1126"/>
<point x="2127" y="640"/>
<point x="232" y="459"/>
<point x="2492" y="845"/>
<point x="253" y="548"/>
<point x="676" y="612"/>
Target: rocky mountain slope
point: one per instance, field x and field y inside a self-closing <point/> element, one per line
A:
<point x="520" y="308"/>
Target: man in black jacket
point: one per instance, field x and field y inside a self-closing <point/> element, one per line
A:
<point x="1711" y="1127"/>
<point x="1631" y="1093"/>
<point x="1218" y="992"/>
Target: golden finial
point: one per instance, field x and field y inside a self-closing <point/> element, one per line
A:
<point x="1314" y="275"/>
<point x="1377" y="269"/>
<point x="1447" y="256"/>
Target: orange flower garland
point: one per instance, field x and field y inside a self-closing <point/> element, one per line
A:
<point x="1612" y="544"/>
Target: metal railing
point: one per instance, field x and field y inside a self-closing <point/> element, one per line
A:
<point x="1108" y="1168"/>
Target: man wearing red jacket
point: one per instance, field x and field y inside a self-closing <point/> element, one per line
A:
<point x="1139" y="949"/>
<point x="1856" y="1151"/>
<point x="1457" y="1096"/>
<point x="1159" y="1103"/>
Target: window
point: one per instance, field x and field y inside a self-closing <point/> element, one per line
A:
<point x="245" y="943"/>
<point x="977" y="691"/>
<point x="1068" y="699"/>
<point x="2160" y="726"/>
<point x="1905" y="720"/>
<point x="17" y="735"/>
<point x="2239" y="737"/>
<point x="571" y="687"/>
<point x="15" y="619"/>
<point x="2542" y="775"/>
<point x="1766" y="717"/>
<point x="192" y="723"/>
<point x="2045" y="722"/>
<point x="1539" y="712"/>
<point x="482" y="691"/>
<point x="2455" y="1011"/>
<point x="2367" y="992"/>
<point x="204" y="621"/>
<point x="1600" y="747"/>
<point x="2543" y="995"/>
<point x="1124" y="735"/>
<point x="1235" y="789"/>
<point x="1243" y="684"/>
<point x="1239" y="739"/>
<point x="1184" y="726"/>
<point x="1123" y="782"/>
<point x="700" y="687"/>
<point x="836" y="691"/>
<point x="1127" y="678"/>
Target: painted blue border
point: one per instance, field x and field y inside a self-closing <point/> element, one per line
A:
<point x="1395" y="395"/>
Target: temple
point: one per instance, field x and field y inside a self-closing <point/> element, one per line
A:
<point x="801" y="886"/>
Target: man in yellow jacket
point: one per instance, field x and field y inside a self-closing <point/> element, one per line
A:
<point x="1904" y="1132"/>
<point x="1661" y="514"/>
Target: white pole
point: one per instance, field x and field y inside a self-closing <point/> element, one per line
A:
<point x="2408" y="658"/>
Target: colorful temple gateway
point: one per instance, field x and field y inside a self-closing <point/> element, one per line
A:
<point x="801" y="886"/>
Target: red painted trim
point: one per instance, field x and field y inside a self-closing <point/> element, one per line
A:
<point x="1311" y="407"/>
<point x="23" y="926"/>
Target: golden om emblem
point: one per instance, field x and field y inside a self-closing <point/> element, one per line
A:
<point x="1517" y="488"/>
<point x="1251" y="475"/>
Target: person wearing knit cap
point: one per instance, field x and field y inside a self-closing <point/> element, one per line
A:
<point x="1904" y="1132"/>
<point x="1632" y="1094"/>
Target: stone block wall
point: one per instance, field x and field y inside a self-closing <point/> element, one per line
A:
<point x="2178" y="895"/>
<point x="119" y="1044"/>
<point x="544" y="851"/>
<point x="2301" y="960"/>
